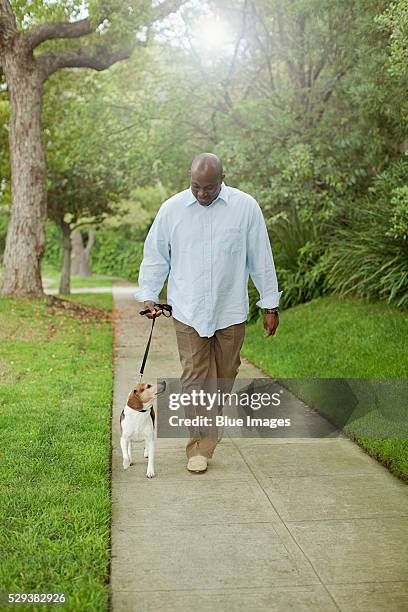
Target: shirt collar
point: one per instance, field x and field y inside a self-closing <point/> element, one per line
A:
<point x="223" y="195"/>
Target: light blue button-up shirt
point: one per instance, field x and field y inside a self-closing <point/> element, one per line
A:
<point x="209" y="252"/>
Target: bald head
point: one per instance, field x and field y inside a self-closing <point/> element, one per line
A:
<point x="207" y="162"/>
<point x="206" y="178"/>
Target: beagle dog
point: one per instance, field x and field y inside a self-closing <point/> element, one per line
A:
<point x="137" y="422"/>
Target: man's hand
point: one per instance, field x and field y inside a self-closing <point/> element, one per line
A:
<point x="270" y="323"/>
<point x="149" y="305"/>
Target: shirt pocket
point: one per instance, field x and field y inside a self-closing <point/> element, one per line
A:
<point x="232" y="241"/>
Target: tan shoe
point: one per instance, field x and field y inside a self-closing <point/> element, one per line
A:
<point x="198" y="463"/>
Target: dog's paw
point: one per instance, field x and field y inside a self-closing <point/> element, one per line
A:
<point x="145" y="453"/>
<point x="126" y="464"/>
<point x="149" y="474"/>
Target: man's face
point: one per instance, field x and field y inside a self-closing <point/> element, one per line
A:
<point x="206" y="185"/>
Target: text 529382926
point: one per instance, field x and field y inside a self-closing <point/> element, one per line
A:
<point x="38" y="598"/>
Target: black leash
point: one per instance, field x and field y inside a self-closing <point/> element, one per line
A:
<point x="164" y="308"/>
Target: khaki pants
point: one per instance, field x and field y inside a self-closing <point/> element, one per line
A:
<point x="214" y="361"/>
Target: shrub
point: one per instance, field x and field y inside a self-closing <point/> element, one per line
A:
<point x="115" y="255"/>
<point x="299" y="250"/>
<point x="367" y="262"/>
<point x="369" y="257"/>
<point x="54" y="245"/>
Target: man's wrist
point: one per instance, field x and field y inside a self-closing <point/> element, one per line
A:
<point x="271" y="310"/>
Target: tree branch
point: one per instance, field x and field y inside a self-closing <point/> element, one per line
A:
<point x="165" y="8"/>
<point x="238" y="43"/>
<point x="330" y="92"/>
<point x="284" y="45"/>
<point x="99" y="58"/>
<point x="76" y="29"/>
<point x="8" y="27"/>
<point x="94" y="220"/>
<point x="48" y="31"/>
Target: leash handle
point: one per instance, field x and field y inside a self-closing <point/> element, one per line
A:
<point x="163" y="307"/>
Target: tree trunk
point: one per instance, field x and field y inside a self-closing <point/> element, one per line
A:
<point x="26" y="232"/>
<point x="86" y="270"/>
<point x="65" y="281"/>
<point x="80" y="254"/>
<point x="77" y="252"/>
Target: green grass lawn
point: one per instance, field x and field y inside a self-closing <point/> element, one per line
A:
<point x="55" y="410"/>
<point x="96" y="280"/>
<point x="332" y="337"/>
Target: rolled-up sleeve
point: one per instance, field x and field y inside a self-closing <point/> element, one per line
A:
<point x="155" y="266"/>
<point x="260" y="262"/>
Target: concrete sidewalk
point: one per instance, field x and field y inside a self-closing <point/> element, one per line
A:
<point x="302" y="524"/>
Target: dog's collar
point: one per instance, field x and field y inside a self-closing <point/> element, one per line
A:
<point x="148" y="408"/>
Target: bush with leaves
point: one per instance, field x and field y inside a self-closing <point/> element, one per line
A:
<point x="116" y="255"/>
<point x="399" y="219"/>
<point x="54" y="245"/>
<point x="369" y="257"/>
<point x="394" y="21"/>
<point x="299" y="244"/>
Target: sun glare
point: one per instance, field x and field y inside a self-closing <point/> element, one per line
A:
<point x="209" y="34"/>
<point x="213" y="34"/>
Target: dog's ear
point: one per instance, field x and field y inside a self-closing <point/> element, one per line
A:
<point x="134" y="400"/>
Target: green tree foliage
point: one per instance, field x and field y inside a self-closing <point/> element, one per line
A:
<point x="87" y="173"/>
<point x="306" y="114"/>
<point x="394" y="21"/>
<point x="97" y="134"/>
<point x="306" y="104"/>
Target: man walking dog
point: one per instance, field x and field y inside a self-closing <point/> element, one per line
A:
<point x="208" y="239"/>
